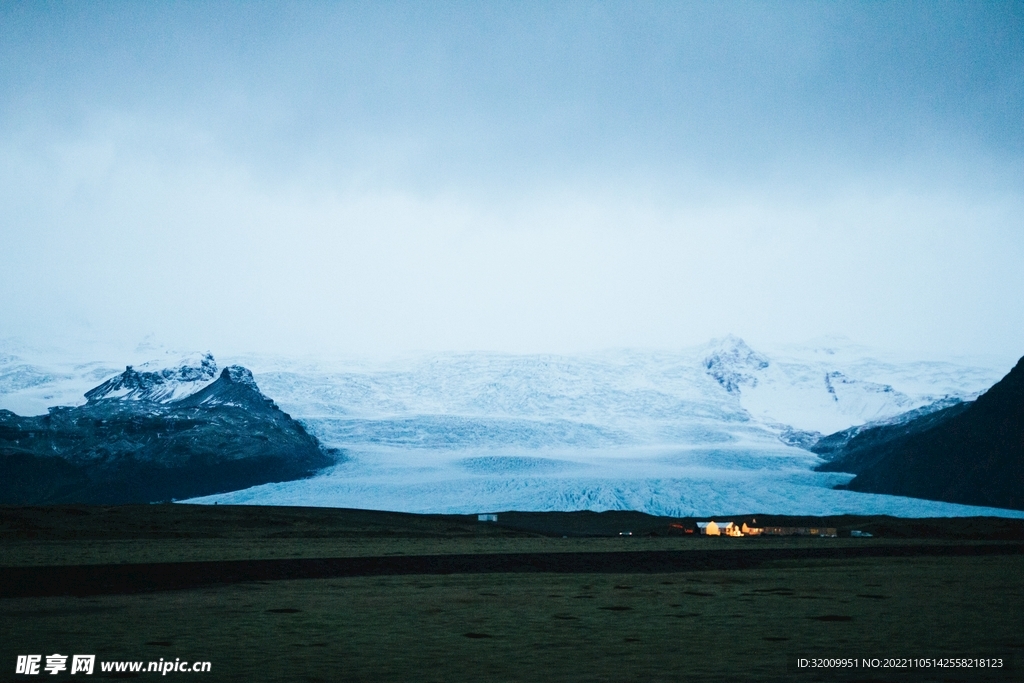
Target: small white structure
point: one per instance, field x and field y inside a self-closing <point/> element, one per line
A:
<point x="714" y="528"/>
<point x="708" y="528"/>
<point x="487" y="518"/>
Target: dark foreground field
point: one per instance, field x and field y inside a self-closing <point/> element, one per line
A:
<point x="536" y="597"/>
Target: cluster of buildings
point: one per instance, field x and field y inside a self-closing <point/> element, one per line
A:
<point x="714" y="528"/>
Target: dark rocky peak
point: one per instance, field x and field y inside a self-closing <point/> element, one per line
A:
<point x="237" y="374"/>
<point x="733" y="364"/>
<point x="160" y="385"/>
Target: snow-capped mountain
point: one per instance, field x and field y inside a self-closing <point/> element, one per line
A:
<point x="153" y="383"/>
<point x="132" y="443"/>
<point x="32" y="380"/>
<point x="831" y="387"/>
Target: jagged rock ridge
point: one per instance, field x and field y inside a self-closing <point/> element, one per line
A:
<point x="132" y="443"/>
<point x="165" y="384"/>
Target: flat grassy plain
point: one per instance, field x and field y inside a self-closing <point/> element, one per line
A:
<point x="722" y="625"/>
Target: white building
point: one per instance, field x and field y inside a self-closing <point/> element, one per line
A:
<point x="714" y="528"/>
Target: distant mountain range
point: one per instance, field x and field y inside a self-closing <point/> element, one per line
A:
<point x="969" y="452"/>
<point x="155" y="436"/>
<point x="717" y="429"/>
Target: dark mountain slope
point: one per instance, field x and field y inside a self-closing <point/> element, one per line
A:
<point x="970" y="453"/>
<point x="862" y="445"/>
<point x="226" y="436"/>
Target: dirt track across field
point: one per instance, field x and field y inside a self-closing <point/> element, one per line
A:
<point x="122" y="579"/>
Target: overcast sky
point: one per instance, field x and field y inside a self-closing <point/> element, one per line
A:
<point x="381" y="177"/>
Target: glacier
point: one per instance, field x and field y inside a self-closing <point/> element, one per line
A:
<point x="695" y="432"/>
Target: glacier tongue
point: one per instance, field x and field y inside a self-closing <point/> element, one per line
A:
<point x="670" y="483"/>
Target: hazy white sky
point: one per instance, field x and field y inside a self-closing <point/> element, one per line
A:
<point x="380" y="177"/>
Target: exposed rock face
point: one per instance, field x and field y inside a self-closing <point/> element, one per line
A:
<point x="971" y="453"/>
<point x="734" y="364"/>
<point x="130" y="444"/>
